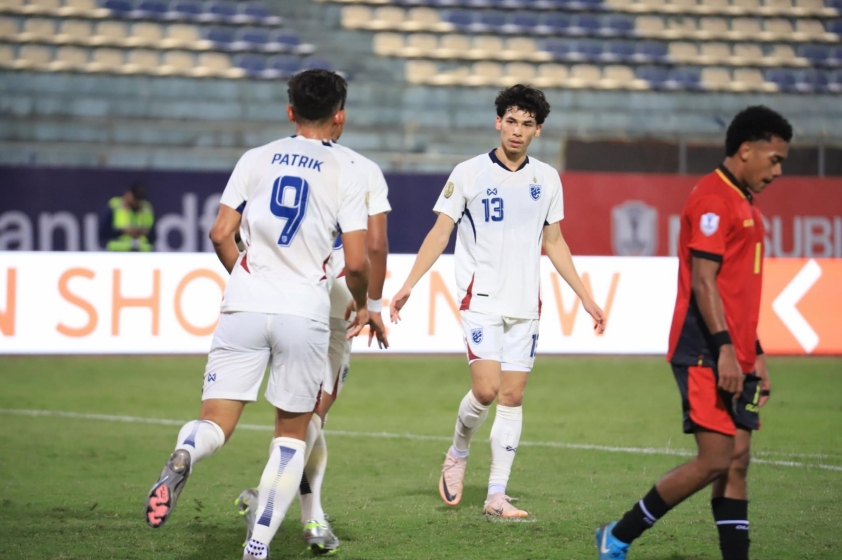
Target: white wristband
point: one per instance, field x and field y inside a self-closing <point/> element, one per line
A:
<point x="375" y="305"/>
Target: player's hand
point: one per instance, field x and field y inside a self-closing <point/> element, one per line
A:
<point x="351" y="309"/>
<point x="378" y="329"/>
<point x="765" y="384"/>
<point x="360" y="321"/>
<point x="398" y="302"/>
<point x="597" y="314"/>
<point x="730" y="372"/>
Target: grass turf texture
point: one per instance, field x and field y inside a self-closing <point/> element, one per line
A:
<point x="74" y="488"/>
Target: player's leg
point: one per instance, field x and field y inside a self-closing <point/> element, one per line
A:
<point x="299" y="359"/>
<point x="729" y="501"/>
<point x="484" y="339"/>
<point x="706" y="415"/>
<point x="317" y="531"/>
<point x="519" y="345"/>
<point x="234" y="371"/>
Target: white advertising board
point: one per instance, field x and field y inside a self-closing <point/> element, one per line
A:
<point x="105" y="303"/>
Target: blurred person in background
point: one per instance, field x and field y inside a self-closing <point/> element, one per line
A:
<point x="127" y="223"/>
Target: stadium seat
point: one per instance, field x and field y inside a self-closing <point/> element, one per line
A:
<point x="43" y="6"/>
<point x="258" y="12"/>
<point x="554" y="24"/>
<point x="656" y="75"/>
<point x="422" y="19"/>
<point x="453" y="46"/>
<point x="551" y="75"/>
<point x="285" y="65"/>
<point x="751" y="79"/>
<point x="783" y="78"/>
<point x="777" y="7"/>
<point x="33" y="56"/>
<point x="684" y="78"/>
<point x="420" y="45"/>
<point x="683" y="52"/>
<point x="834" y="80"/>
<point x="818" y="55"/>
<point x="713" y="28"/>
<point x="619" y="51"/>
<point x="584" y="75"/>
<point x="146" y="34"/>
<point x="222" y="9"/>
<point x="142" y="61"/>
<point x="119" y="7"/>
<point x="218" y="63"/>
<point x="715" y="53"/>
<point x="461" y="20"/>
<point x="82" y="7"/>
<point x="716" y="79"/>
<point x="746" y="7"/>
<point x="153" y="9"/>
<point x="518" y="73"/>
<point x="620" y="77"/>
<point x="177" y="62"/>
<point x="316" y="63"/>
<point x="69" y="58"/>
<point x="679" y="27"/>
<point x="489" y="22"/>
<point x="618" y="26"/>
<point x="222" y="36"/>
<point x="836" y="26"/>
<point x="252" y="37"/>
<point x="780" y="29"/>
<point x="8" y="27"/>
<point x="356" y="17"/>
<point x="812" y="80"/>
<point x="75" y="31"/>
<point x="106" y="60"/>
<point x="37" y="29"/>
<point x="834" y="57"/>
<point x="486" y="47"/>
<point x="7" y="56"/>
<point x="523" y="48"/>
<point x="420" y="71"/>
<point x="590" y="51"/>
<point x="524" y="23"/>
<point x="485" y="73"/>
<point x="188" y="9"/>
<point x="585" y="25"/>
<point x="388" y="44"/>
<point x="12" y="5"/>
<point x="743" y="29"/>
<point x="179" y="35"/>
<point x="387" y="18"/>
<point x="783" y="55"/>
<point x="109" y="33"/>
<point x="809" y="29"/>
<point x="651" y="51"/>
<point x="649" y="26"/>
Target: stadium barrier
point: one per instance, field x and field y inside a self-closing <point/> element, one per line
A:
<point x="101" y="303"/>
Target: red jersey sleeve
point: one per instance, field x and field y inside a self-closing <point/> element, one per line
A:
<point x="709" y="220"/>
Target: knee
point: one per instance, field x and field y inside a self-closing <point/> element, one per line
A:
<point x="739" y="464"/>
<point x="510" y="396"/>
<point x="485" y="394"/>
<point x="716" y="467"/>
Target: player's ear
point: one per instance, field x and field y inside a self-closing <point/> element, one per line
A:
<point x="339" y="117"/>
<point x="290" y="114"/>
<point x="537" y="131"/>
<point x="745" y="151"/>
<point x="499" y="123"/>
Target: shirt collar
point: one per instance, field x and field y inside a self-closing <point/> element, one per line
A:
<point x="733" y="180"/>
<point x="493" y="155"/>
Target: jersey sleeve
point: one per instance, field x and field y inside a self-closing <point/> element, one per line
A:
<point x="452" y="201"/>
<point x="709" y="220"/>
<point x="556" y="210"/>
<point x="378" y="192"/>
<point x="353" y="214"/>
<point x="238" y="189"/>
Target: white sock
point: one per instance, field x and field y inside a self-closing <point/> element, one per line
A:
<point x="505" y="436"/>
<point x="278" y="487"/>
<point x="471" y="415"/>
<point x="314" y="472"/>
<point x="200" y="438"/>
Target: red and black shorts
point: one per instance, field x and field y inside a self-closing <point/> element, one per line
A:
<point x="706" y="406"/>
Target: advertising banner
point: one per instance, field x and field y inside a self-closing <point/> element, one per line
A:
<point x="102" y="303"/>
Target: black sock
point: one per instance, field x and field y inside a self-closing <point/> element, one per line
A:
<point x="731" y="518"/>
<point x="304" y="487"/>
<point x="642" y="516"/>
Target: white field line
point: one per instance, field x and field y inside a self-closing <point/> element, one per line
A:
<point x="416" y="437"/>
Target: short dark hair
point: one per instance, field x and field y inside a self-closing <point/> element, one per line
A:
<point x="756" y="123"/>
<point x="525" y="98"/>
<point x="138" y="191"/>
<point x="315" y="95"/>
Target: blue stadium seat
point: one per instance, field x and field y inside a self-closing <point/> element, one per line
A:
<point x="834" y="26"/>
<point x="253" y="37"/>
<point x="651" y="51"/>
<point x="253" y="64"/>
<point x="460" y="19"/>
<point x="555" y="24"/>
<point x="685" y="78"/>
<point x="189" y="9"/>
<point x="288" y="40"/>
<point x="587" y="25"/>
<point x="525" y="23"/>
<point x="222" y="9"/>
<point x="835" y="57"/>
<point x="587" y="51"/>
<point x="783" y="78"/>
<point x="286" y="65"/>
<point x="315" y="63"/>
<point x="257" y="11"/>
<point x="558" y="48"/>
<point x="619" y="51"/>
<point x="812" y="80"/>
<point x="816" y="54"/>
<point x="153" y="8"/>
<point x="656" y="75"/>
<point x="834" y="84"/>
<point x="223" y="36"/>
<point x="121" y="7"/>
<point x="489" y="21"/>
<point x="618" y="26"/>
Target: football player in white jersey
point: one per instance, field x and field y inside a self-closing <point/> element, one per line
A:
<point x="505" y="206"/>
<point x="288" y="199"/>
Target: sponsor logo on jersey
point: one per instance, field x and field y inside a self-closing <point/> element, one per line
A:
<point x="211" y="377"/>
<point x="345" y="373"/>
<point x="535" y="191"/>
<point x="476" y="336"/>
<point x="634" y="229"/>
<point x="489" y="192"/>
<point x="709" y="223"/>
<point x="448" y="189"/>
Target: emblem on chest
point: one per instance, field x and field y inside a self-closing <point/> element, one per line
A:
<point x="535" y="191"/>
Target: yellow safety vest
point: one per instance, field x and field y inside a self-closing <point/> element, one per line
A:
<point x="126" y="218"/>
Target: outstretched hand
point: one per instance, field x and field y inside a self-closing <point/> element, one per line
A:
<point x="398" y="302"/>
<point x="597" y="314"/>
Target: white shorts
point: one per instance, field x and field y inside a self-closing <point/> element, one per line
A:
<point x="244" y="343"/>
<point x="339" y="357"/>
<point x="512" y="342"/>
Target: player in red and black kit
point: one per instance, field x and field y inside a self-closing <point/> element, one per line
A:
<point x="714" y="351"/>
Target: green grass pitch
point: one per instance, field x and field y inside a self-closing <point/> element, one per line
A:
<point x="73" y="487"/>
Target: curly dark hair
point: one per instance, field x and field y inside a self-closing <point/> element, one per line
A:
<point x="526" y="99"/>
<point x="756" y="123"/>
<point x="316" y="95"/>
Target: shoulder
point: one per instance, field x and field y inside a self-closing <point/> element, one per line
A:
<point x="469" y="169"/>
<point x="360" y="161"/>
<point x="549" y="175"/>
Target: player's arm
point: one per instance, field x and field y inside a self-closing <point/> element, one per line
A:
<point x="377" y="243"/>
<point x="222" y="236"/>
<point x="432" y="248"/>
<point x="356" y="266"/>
<point x="703" y="271"/>
<point x="559" y="253"/>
